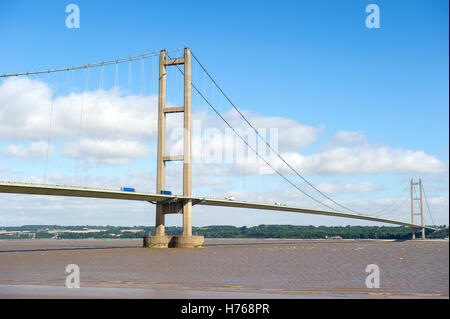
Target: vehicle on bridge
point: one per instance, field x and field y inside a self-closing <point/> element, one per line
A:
<point x="230" y="198"/>
<point x="164" y="192"/>
<point x="279" y="204"/>
<point x="127" y="189"/>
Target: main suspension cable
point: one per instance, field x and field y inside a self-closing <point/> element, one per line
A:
<point x="428" y="206"/>
<point x="390" y="207"/>
<point x="121" y="60"/>
<point x="250" y="147"/>
<point x="267" y="143"/>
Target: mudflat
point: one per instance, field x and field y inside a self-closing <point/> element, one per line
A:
<point x="225" y="268"/>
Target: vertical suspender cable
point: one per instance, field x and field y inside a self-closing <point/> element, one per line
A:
<point x="67" y="82"/>
<point x="142" y="84"/>
<point x="116" y="80"/>
<point x="49" y="138"/>
<point x="129" y="78"/>
<point x="101" y="77"/>
<point x="428" y="206"/>
<point x="253" y="150"/>
<point x="80" y="126"/>
<point x="267" y="143"/>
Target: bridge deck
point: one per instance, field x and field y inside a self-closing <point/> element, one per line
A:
<point x="33" y="189"/>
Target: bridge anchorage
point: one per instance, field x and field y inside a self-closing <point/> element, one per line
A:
<point x="174" y="205"/>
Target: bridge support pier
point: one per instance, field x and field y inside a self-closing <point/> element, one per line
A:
<point x="161" y="240"/>
<point x="173" y="241"/>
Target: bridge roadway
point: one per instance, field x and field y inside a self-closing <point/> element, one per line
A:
<point x="34" y="189"/>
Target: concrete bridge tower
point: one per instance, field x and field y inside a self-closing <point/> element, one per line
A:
<point x="184" y="207"/>
<point x="413" y="213"/>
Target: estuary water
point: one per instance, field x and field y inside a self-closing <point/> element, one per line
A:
<point x="225" y="268"/>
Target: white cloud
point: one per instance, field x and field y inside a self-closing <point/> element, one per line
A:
<point x="214" y="141"/>
<point x="111" y="152"/>
<point x="365" y="159"/>
<point x="341" y="188"/>
<point x="26" y="111"/>
<point x="344" y="138"/>
<point x="292" y="136"/>
<point x="33" y="150"/>
<point x="23" y="109"/>
<point x="116" y="129"/>
<point x="112" y="129"/>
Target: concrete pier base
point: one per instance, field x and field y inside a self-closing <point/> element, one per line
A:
<point x="173" y="241"/>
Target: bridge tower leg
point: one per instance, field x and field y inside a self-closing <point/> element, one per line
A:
<point x="420" y="199"/>
<point x="161" y="166"/>
<point x="161" y="240"/>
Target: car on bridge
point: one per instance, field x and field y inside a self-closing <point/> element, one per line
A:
<point x="127" y="189"/>
<point x="230" y="198"/>
<point x="279" y="204"/>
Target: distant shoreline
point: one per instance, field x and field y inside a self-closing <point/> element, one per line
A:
<point x="213" y="238"/>
<point x="220" y="231"/>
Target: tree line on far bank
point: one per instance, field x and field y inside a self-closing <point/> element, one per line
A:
<point x="261" y="231"/>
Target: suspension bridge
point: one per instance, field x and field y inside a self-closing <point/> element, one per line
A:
<point x="101" y="134"/>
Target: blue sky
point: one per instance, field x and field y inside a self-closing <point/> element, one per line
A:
<point x="400" y="70"/>
<point x="314" y="62"/>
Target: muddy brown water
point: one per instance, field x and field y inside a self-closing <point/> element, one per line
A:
<point x="234" y="267"/>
